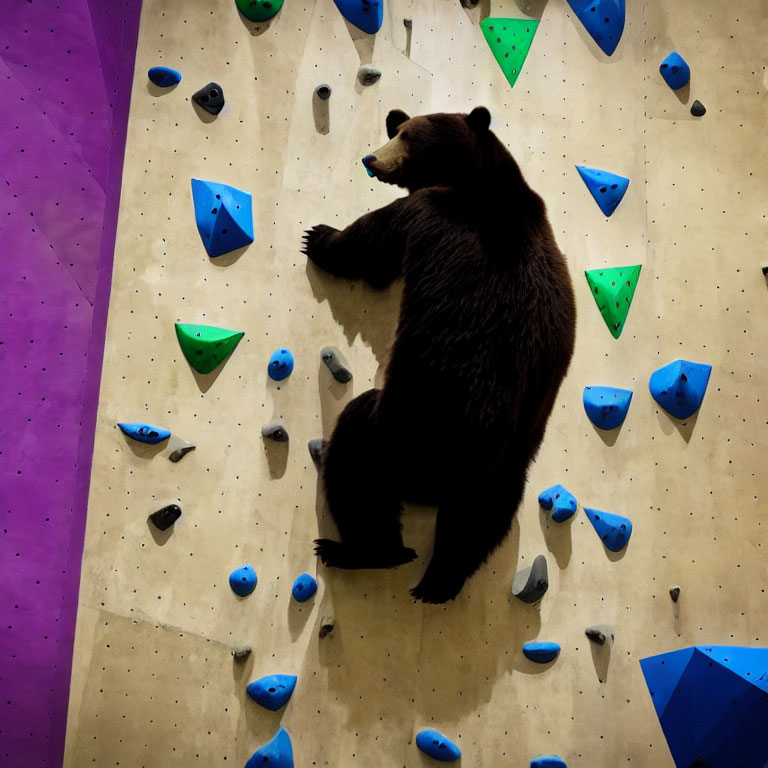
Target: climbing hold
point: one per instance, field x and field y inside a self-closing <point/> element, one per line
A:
<point x="613" y="290"/>
<point x="679" y="387"/>
<point x="275" y="431"/>
<point x="437" y="746"/>
<point x="164" y="518"/>
<point x="242" y="653"/>
<point x="280" y="365"/>
<point x="675" y="71"/>
<point x="364" y="14"/>
<point x="530" y="584"/>
<point x="541" y="652"/>
<point x="698" y="109"/>
<point x="332" y="358"/>
<point x="223" y="215"/>
<point x="599" y="633"/>
<point x="316" y="448"/>
<point x="259" y="10"/>
<point x="181" y="451"/>
<point x="278" y="753"/>
<point x="607" y="406"/>
<point x="164" y="77"/>
<point x="243" y="580"/>
<point x="674" y="593"/>
<point x="712" y="703"/>
<point x="509" y="41"/>
<point x="272" y="691"/>
<point x="210" y="97"/>
<point x="613" y="530"/>
<point x="206" y="346"/>
<point x="144" y="433"/>
<point x="323" y="92"/>
<point x="562" y="503"/>
<point x="408" y="23"/>
<point x="327" y="625"/>
<point x="548" y="761"/>
<point x="603" y="19"/>
<point x="607" y="188"/>
<point x="304" y="587"/>
<point x="368" y="75"/>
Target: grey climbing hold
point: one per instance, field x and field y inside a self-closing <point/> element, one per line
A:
<point x="181" y="452"/>
<point x="327" y="625"/>
<point x="408" y="24"/>
<point x="368" y="75"/>
<point x="332" y="358"/>
<point x="698" y="109"/>
<point x="530" y="584"/>
<point x="674" y="593"/>
<point x="275" y="431"/>
<point x="599" y="633"/>
<point x="316" y="450"/>
<point x="210" y="97"/>
<point x="323" y="92"/>
<point x="241" y="653"/>
<point x="164" y="518"/>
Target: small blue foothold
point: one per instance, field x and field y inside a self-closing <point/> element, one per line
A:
<point x="144" y="433"/>
<point x="164" y="77"/>
<point x="224" y="216"/>
<point x="614" y="530"/>
<point x="280" y="365"/>
<point x="272" y="691"/>
<point x="675" y="71"/>
<point x="278" y="753"/>
<point x="562" y="502"/>
<point x="304" y="587"/>
<point x="548" y="761"/>
<point x="679" y="387"/>
<point x="243" y="580"/>
<point x="364" y="14"/>
<point x="541" y="652"/>
<point x="603" y="19"/>
<point x="607" y="406"/>
<point x="607" y="188"/>
<point x="437" y="746"/>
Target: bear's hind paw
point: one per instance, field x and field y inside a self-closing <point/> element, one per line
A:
<point x="431" y="590"/>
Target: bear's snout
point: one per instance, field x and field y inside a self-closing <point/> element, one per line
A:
<point x="368" y="159"/>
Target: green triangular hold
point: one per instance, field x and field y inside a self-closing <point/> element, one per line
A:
<point x="612" y="290"/>
<point x="509" y="41"/>
<point x="206" y="346"/>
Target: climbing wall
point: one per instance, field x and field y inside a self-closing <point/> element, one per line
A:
<point x="154" y="682"/>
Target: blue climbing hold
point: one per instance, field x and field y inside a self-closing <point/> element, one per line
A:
<point x="675" y="71"/>
<point x="712" y="703"/>
<point x="562" y="502"/>
<point x="304" y="587"/>
<point x="679" y="387"/>
<point x="224" y="216"/>
<point x="364" y="14"/>
<point x="607" y="406"/>
<point x="280" y="364"/>
<point x="548" y="761"/>
<point x="607" y="188"/>
<point x="365" y="165"/>
<point x="164" y="77"/>
<point x="613" y="530"/>
<point x="603" y="19"/>
<point x="278" y="753"/>
<point x="272" y="691"/>
<point x="437" y="746"/>
<point x="243" y="580"/>
<point x="144" y="433"/>
<point x="541" y="652"/>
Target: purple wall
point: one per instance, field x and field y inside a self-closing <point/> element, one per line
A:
<point x="66" y="68"/>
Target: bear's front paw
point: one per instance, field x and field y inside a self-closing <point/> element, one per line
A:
<point x="316" y="243"/>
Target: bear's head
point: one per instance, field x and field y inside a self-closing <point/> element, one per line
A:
<point x="434" y="150"/>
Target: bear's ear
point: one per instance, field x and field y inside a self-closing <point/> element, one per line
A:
<point x="394" y="119"/>
<point x="479" y="119"/>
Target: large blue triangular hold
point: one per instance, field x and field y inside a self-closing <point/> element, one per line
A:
<point x="364" y="14"/>
<point x="679" y="387"/>
<point x="607" y="406"/>
<point x="272" y="691"/>
<point x="224" y="216"/>
<point x="277" y="753"/>
<point x="613" y="530"/>
<point x="712" y="703"/>
<point x="603" y="19"/>
<point x="607" y="188"/>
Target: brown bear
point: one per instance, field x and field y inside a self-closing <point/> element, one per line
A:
<point x="485" y="337"/>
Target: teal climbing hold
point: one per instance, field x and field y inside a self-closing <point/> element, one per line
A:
<point x="548" y="761"/>
<point x="224" y="216"/>
<point x="144" y="433"/>
<point x="272" y="691"/>
<point x="562" y="502"/>
<point x="437" y="746"/>
<point x="603" y="19"/>
<point x="607" y="188"/>
<point x="613" y="530"/>
<point x="277" y="753"/>
<point x="541" y="652"/>
<point x="243" y="580"/>
<point x="364" y="14"/>
<point x="679" y="387"/>
<point x="607" y="406"/>
<point x="164" y="77"/>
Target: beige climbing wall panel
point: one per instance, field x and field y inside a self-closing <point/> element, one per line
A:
<point x="154" y="684"/>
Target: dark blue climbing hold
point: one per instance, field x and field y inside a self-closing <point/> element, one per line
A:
<point x="437" y="746"/>
<point x="243" y="580"/>
<point x="613" y="530"/>
<point x="210" y="97"/>
<point x="164" y="518"/>
<point x="278" y="753"/>
<point x="675" y="71"/>
<point x="304" y="587"/>
<point x="562" y="502"/>
<point x="679" y="387"/>
<point x="607" y="406"/>
<point x="541" y="652"/>
<point x="272" y="691"/>
<point x="364" y="14"/>
<point x="607" y="188"/>
<point x="144" y="433"/>
<point x="712" y="703"/>
<point x="548" y="761"/>
<point x="603" y="19"/>
<point x="280" y="365"/>
<point x="223" y="215"/>
<point x="164" y="77"/>
<point x="365" y="165"/>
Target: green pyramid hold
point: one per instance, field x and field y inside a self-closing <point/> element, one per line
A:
<point x="612" y="290"/>
<point x="509" y="41"/>
<point x="259" y="10"/>
<point x="206" y="346"/>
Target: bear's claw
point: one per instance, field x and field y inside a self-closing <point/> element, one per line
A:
<point x="315" y="240"/>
